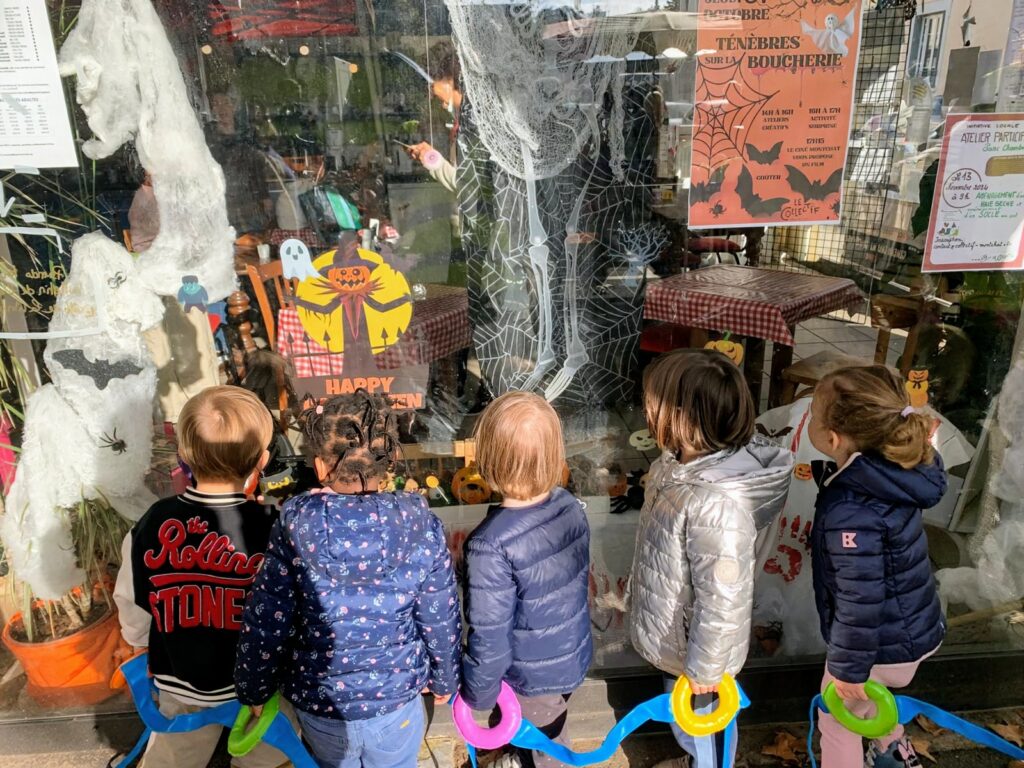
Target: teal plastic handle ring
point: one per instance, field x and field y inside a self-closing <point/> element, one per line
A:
<point x="242" y="741"/>
<point x="882" y="724"/>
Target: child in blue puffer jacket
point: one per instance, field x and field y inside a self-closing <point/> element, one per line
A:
<point x="879" y="609"/>
<point x="355" y="610"/>
<point x="527" y="565"/>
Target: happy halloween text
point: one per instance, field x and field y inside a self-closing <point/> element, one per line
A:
<point x="374" y="385"/>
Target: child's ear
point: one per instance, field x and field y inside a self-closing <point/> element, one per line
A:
<point x="320" y="468"/>
<point x="264" y="460"/>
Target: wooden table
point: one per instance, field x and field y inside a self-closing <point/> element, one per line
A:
<point x="760" y="304"/>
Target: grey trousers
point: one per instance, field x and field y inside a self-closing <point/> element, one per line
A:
<point x="706" y="751"/>
<point x="551" y="716"/>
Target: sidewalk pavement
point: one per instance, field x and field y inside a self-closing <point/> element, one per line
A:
<point x="86" y="742"/>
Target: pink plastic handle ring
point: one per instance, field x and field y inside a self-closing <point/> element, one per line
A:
<point x="489" y="738"/>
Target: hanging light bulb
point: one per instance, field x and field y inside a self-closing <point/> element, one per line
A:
<point x="207" y="49"/>
<point x="303" y="50"/>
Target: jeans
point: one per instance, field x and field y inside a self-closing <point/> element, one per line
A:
<point x="706" y="751"/>
<point x="390" y="741"/>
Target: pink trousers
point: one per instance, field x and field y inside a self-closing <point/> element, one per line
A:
<point x="841" y="748"/>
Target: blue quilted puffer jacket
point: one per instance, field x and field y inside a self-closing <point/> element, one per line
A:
<point x="872" y="579"/>
<point x="355" y="609"/>
<point x="526" y="601"/>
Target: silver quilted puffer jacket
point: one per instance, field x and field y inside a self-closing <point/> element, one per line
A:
<point x="692" y="586"/>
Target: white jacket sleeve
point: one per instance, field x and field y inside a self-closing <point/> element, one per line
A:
<point x="134" y="620"/>
<point x="720" y="540"/>
<point x="444" y="174"/>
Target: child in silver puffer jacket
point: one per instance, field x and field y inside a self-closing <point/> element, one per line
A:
<point x="713" y="488"/>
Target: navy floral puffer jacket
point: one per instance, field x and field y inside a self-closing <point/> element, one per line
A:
<point x="355" y="610"/>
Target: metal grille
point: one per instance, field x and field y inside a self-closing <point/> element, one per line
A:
<point x="873" y="239"/>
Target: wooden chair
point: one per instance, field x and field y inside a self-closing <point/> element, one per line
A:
<point x="284" y="291"/>
<point x="888" y="313"/>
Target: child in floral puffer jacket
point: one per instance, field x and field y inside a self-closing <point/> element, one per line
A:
<point x="355" y="610"/>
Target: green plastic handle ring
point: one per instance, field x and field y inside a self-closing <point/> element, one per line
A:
<point x="882" y="724"/>
<point x="241" y="741"/>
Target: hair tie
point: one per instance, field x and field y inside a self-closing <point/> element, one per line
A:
<point x="905" y="413"/>
<point x="319" y="410"/>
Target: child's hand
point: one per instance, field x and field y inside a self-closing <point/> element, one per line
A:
<point x="851" y="691"/>
<point x="700" y="690"/>
<point x="439" y="698"/>
<point x="257" y="710"/>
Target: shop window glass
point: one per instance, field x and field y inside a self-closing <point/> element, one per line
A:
<point x="498" y="264"/>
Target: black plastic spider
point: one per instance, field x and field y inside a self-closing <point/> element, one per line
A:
<point x="116" y="444"/>
<point x="634" y="497"/>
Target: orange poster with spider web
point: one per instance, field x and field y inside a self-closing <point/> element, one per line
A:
<point x="772" y="109"/>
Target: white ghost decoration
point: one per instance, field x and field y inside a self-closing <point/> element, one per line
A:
<point x="833" y="38"/>
<point x="295" y="261"/>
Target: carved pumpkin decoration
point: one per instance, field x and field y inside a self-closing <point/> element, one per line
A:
<point x="618" y="486"/>
<point x="348" y="279"/>
<point x="803" y="472"/>
<point x="917" y="388"/>
<point x="731" y="349"/>
<point x="469" y="487"/>
<point x="411" y="486"/>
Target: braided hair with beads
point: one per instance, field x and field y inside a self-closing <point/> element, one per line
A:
<point x="355" y="435"/>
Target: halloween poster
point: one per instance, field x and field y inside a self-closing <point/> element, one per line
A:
<point x="351" y="312"/>
<point x="772" y="110"/>
<point x="979" y="202"/>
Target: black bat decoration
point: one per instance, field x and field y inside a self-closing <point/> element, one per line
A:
<point x="836" y="207"/>
<point x="764" y="156"/>
<point x="772" y="435"/>
<point x="703" y="191"/>
<point x="753" y="203"/>
<point x="102" y="372"/>
<point x="813" y="190"/>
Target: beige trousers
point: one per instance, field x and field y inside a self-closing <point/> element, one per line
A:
<point x="195" y="748"/>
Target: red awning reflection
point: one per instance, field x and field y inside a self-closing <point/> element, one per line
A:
<point x="260" y="19"/>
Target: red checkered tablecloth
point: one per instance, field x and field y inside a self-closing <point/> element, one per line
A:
<point x="747" y="301"/>
<point x="439" y="327"/>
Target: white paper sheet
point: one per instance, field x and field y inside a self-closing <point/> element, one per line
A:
<point x="34" y="125"/>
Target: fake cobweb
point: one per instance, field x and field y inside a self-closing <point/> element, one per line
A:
<point x="605" y="280"/>
<point x="724" y="109"/>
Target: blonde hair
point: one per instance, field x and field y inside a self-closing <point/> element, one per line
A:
<point x="519" y="446"/>
<point x="697" y="398"/>
<point x="222" y="433"/>
<point x="871" y="407"/>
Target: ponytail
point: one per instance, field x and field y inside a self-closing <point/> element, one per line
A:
<point x="870" y="406"/>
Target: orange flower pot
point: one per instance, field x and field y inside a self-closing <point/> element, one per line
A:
<point x="75" y="670"/>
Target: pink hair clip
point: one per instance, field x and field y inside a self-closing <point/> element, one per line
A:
<point x="905" y="413"/>
<point x="319" y="410"/>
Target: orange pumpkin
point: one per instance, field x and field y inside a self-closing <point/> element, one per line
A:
<point x="803" y="472"/>
<point x="731" y="349"/>
<point x="619" y="486"/>
<point x="917" y="388"/>
<point x="469" y="487"/>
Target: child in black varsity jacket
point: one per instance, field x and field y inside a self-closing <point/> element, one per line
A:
<point x="188" y="566"/>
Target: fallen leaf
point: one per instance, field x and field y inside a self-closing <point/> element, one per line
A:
<point x="786" y="747"/>
<point x="1012" y="733"/>
<point x="921" y="747"/>
<point x="928" y="726"/>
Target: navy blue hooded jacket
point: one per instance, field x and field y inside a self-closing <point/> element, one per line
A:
<point x="526" y="601"/>
<point x="355" y="609"/>
<point x="872" y="579"/>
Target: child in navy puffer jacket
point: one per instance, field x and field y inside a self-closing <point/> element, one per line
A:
<point x="355" y="610"/>
<point x="527" y="563"/>
<point x="879" y="609"/>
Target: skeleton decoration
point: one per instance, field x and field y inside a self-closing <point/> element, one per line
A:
<point x="89" y="433"/>
<point x="546" y="191"/>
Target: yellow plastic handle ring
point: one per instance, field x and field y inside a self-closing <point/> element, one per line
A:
<point x="713" y="722"/>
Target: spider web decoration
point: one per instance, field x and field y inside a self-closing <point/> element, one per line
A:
<point x="610" y="265"/>
<point x="724" y="108"/>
